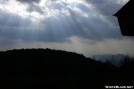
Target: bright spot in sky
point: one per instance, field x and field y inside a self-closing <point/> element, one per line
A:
<point x="45" y="8"/>
<point x="21" y="9"/>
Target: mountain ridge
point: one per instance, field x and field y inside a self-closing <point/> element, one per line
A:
<point x="50" y="68"/>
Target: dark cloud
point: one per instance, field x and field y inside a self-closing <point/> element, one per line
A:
<point x="36" y="8"/>
<point x="60" y="27"/>
<point x="98" y="28"/>
<point x="12" y="20"/>
<point x="58" y="30"/>
<point x="96" y="1"/>
<point x="106" y="8"/>
<point x="29" y="1"/>
<point x="32" y="5"/>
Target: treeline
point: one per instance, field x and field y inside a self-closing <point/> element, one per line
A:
<point x="125" y="65"/>
<point x="40" y="62"/>
<point x="54" y="67"/>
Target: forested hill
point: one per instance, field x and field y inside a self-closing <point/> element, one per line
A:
<point x="56" y="68"/>
<point x="40" y="62"/>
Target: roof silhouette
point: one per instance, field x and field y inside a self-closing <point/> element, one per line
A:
<point x="126" y="10"/>
<point x="125" y="18"/>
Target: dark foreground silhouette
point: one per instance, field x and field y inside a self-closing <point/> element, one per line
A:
<point x="125" y="18"/>
<point x="56" y="69"/>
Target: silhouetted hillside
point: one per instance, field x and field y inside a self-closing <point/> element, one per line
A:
<point x="56" y="68"/>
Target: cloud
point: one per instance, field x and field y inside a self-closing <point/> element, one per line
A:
<point x="82" y="26"/>
<point x="35" y="8"/>
<point x="60" y="29"/>
<point x="29" y="1"/>
<point x="107" y="8"/>
<point x="12" y="20"/>
<point x="32" y="5"/>
<point x="94" y="23"/>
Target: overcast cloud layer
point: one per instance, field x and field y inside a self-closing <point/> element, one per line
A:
<point x="59" y="20"/>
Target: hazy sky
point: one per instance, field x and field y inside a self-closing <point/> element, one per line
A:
<point x="82" y="26"/>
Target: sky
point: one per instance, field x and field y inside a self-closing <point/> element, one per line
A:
<point x="84" y="26"/>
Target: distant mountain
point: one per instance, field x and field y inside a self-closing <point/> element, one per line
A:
<point x="106" y="57"/>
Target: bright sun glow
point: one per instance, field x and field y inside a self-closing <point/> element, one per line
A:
<point x="21" y="9"/>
